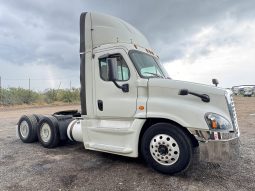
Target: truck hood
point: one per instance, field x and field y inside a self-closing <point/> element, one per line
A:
<point x="176" y="85"/>
<point x="189" y="111"/>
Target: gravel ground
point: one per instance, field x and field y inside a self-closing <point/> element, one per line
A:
<point x="70" y="167"/>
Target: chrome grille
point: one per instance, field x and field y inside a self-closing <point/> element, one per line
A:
<point x="232" y="110"/>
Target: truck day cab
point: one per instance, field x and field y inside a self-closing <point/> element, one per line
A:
<point x="130" y="107"/>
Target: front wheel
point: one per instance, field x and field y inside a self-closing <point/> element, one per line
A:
<point x="166" y="148"/>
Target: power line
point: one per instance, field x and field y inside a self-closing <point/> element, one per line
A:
<point x="38" y="83"/>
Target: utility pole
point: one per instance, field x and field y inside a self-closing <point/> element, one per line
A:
<point x="70" y="85"/>
<point x="59" y="85"/>
<point x="29" y="84"/>
<point x="29" y="90"/>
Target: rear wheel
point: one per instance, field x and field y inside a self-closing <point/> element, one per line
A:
<point x="38" y="117"/>
<point x="48" y="132"/>
<point x="27" y="126"/>
<point x="166" y="148"/>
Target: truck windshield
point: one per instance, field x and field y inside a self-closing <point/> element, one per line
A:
<point x="146" y="65"/>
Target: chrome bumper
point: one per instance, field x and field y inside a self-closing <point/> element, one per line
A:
<point x="217" y="146"/>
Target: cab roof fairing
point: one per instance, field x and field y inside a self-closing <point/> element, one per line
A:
<point x="101" y="29"/>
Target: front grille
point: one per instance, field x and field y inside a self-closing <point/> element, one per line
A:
<point x="232" y="111"/>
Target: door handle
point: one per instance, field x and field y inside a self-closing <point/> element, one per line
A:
<point x="100" y="105"/>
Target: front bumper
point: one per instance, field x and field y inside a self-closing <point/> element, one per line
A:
<point x="217" y="146"/>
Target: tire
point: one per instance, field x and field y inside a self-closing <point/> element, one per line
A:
<point x="166" y="148"/>
<point x="38" y="117"/>
<point x="27" y="129"/>
<point x="48" y="132"/>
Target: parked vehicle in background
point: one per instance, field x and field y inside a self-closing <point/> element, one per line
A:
<point x="248" y="91"/>
<point x="245" y="90"/>
<point x="236" y="90"/>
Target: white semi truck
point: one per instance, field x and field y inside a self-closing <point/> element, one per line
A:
<point x="131" y="107"/>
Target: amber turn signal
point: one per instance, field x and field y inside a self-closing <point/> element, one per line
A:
<point x="141" y="107"/>
<point x="214" y="124"/>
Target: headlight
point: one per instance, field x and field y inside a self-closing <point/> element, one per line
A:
<point x="217" y="122"/>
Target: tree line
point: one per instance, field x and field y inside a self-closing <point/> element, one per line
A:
<point x="19" y="96"/>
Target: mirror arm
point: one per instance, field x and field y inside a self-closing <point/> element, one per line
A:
<point x="203" y="97"/>
<point x="124" y="87"/>
<point x="116" y="84"/>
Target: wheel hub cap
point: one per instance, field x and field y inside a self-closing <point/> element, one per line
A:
<point x="45" y="132"/>
<point x="24" y="129"/>
<point x="164" y="149"/>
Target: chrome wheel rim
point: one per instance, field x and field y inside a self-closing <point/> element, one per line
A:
<point x="164" y="149"/>
<point x="24" y="129"/>
<point x="45" y="132"/>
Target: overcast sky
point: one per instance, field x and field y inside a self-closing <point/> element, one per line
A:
<point x="197" y="40"/>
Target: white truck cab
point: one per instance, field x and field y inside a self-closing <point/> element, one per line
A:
<point x="131" y="107"/>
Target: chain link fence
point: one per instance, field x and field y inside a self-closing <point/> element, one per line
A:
<point x="19" y="96"/>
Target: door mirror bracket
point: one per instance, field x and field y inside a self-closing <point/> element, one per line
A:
<point x="124" y="87"/>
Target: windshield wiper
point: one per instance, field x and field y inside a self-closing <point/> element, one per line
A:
<point x="157" y="75"/>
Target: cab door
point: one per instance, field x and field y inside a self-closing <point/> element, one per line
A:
<point x="112" y="102"/>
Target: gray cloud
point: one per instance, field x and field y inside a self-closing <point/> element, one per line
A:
<point x="47" y="32"/>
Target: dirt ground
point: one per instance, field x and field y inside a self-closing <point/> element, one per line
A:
<point x="70" y="167"/>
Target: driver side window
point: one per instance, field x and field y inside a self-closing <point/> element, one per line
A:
<point x="123" y="71"/>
